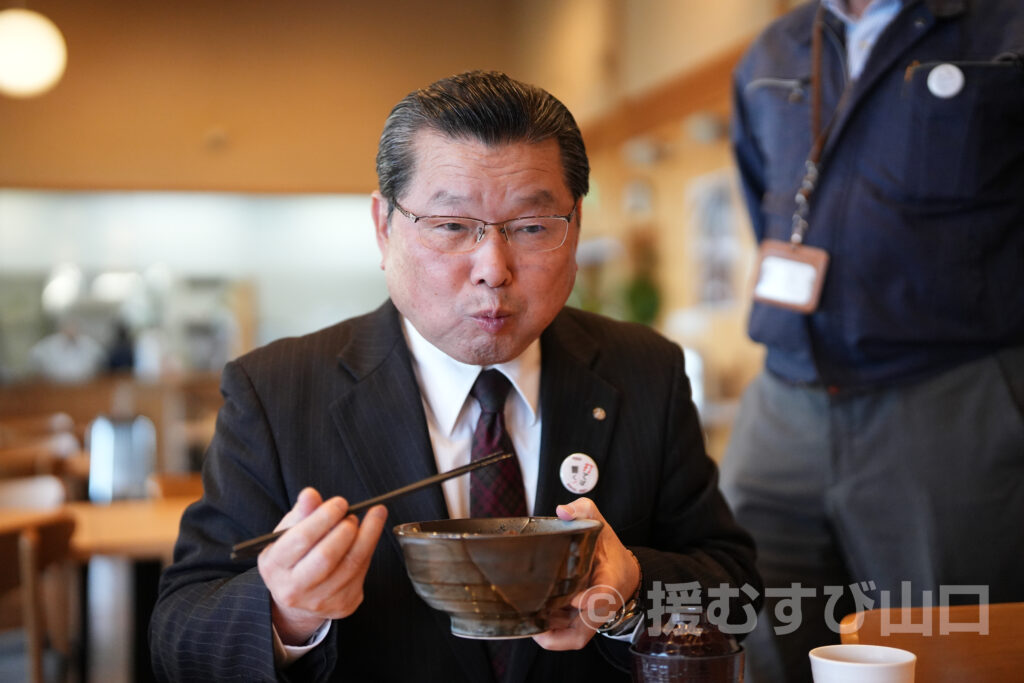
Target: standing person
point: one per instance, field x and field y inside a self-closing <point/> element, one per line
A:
<point x="882" y="159"/>
<point x="477" y="219"/>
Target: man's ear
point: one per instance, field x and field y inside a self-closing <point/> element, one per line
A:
<point x="379" y="209"/>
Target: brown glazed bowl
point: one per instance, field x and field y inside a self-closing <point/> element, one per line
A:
<point x="500" y="577"/>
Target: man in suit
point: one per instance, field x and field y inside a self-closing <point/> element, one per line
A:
<point x="385" y="399"/>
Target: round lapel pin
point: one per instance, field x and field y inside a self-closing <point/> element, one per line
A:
<point x="579" y="473"/>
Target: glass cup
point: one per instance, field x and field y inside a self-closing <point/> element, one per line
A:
<point x="686" y="647"/>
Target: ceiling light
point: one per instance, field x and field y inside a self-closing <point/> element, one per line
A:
<point x="32" y="53"/>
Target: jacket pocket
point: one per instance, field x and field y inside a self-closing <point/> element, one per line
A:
<point x="966" y="144"/>
<point x="779" y="123"/>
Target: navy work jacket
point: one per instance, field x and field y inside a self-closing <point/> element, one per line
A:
<point x="920" y="200"/>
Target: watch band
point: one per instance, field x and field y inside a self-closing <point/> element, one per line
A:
<point x="624" y="621"/>
<point x="626" y="617"/>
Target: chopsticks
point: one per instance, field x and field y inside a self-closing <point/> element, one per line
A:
<point x="253" y="546"/>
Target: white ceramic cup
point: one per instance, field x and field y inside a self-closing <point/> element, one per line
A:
<point x="862" y="664"/>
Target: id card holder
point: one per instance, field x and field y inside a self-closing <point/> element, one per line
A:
<point x="790" y="275"/>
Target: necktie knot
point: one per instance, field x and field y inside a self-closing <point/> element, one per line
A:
<point x="490" y="390"/>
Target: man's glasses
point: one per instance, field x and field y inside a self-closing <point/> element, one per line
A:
<point x="459" y="234"/>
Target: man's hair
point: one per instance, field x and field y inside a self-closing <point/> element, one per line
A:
<point x="488" y="106"/>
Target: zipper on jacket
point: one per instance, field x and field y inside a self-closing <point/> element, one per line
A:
<point x="797" y="86"/>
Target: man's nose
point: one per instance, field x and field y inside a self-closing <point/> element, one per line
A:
<point x="492" y="259"/>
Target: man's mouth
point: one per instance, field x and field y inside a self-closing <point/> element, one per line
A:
<point x="491" y="321"/>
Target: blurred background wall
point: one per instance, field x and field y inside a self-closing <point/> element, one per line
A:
<point x="201" y="172"/>
<point x="253" y="95"/>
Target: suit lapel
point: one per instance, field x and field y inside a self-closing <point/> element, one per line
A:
<point x="381" y="421"/>
<point x="383" y="428"/>
<point x="578" y="406"/>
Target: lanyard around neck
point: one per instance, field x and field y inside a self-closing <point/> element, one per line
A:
<point x="819" y="134"/>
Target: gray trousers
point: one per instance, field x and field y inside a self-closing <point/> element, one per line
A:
<point x="920" y="483"/>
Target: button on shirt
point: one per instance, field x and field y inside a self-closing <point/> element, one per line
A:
<point x="862" y="33"/>
<point x="452" y="413"/>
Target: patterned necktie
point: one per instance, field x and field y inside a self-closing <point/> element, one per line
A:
<point x="496" y="490"/>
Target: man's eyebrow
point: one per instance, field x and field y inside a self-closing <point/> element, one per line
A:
<point x="538" y="197"/>
<point x="446" y="197"/>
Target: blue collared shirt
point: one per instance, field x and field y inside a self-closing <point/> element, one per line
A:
<point x="862" y="32"/>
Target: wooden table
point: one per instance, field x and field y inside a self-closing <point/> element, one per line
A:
<point x="142" y="531"/>
<point x="17" y="518"/>
<point x="135" y="529"/>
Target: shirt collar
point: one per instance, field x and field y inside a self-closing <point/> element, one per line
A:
<point x="839" y="8"/>
<point x="445" y="382"/>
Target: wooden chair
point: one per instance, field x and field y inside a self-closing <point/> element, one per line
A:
<point x="60" y="455"/>
<point x="38" y="543"/>
<point x="40" y="492"/>
<point x="948" y="641"/>
<point x="175" y="485"/>
<point x="40" y="455"/>
<point x="25" y="461"/>
<point x="44" y="493"/>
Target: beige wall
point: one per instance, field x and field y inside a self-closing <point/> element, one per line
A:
<point x="234" y="94"/>
<point x="254" y="95"/>
<point x="669" y="37"/>
<point x="599" y="54"/>
<point x="572" y="48"/>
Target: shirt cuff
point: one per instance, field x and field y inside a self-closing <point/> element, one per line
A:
<point x="287" y="654"/>
<point x="628" y="637"/>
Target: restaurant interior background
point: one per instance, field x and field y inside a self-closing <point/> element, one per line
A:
<point x="201" y="175"/>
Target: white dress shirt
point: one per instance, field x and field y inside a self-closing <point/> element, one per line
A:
<point x="452" y="413"/>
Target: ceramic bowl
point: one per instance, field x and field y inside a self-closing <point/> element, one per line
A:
<point x="501" y="577"/>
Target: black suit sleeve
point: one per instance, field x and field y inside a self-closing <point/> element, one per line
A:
<point x="212" y="619"/>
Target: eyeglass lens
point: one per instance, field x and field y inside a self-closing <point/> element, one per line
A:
<point x="454" y="235"/>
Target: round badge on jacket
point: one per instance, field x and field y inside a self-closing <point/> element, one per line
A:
<point x="945" y="81"/>
<point x="579" y="473"/>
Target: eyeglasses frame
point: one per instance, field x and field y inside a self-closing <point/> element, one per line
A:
<point x="482" y="230"/>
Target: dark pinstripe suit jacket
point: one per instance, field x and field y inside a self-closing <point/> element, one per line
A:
<point x="340" y="410"/>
